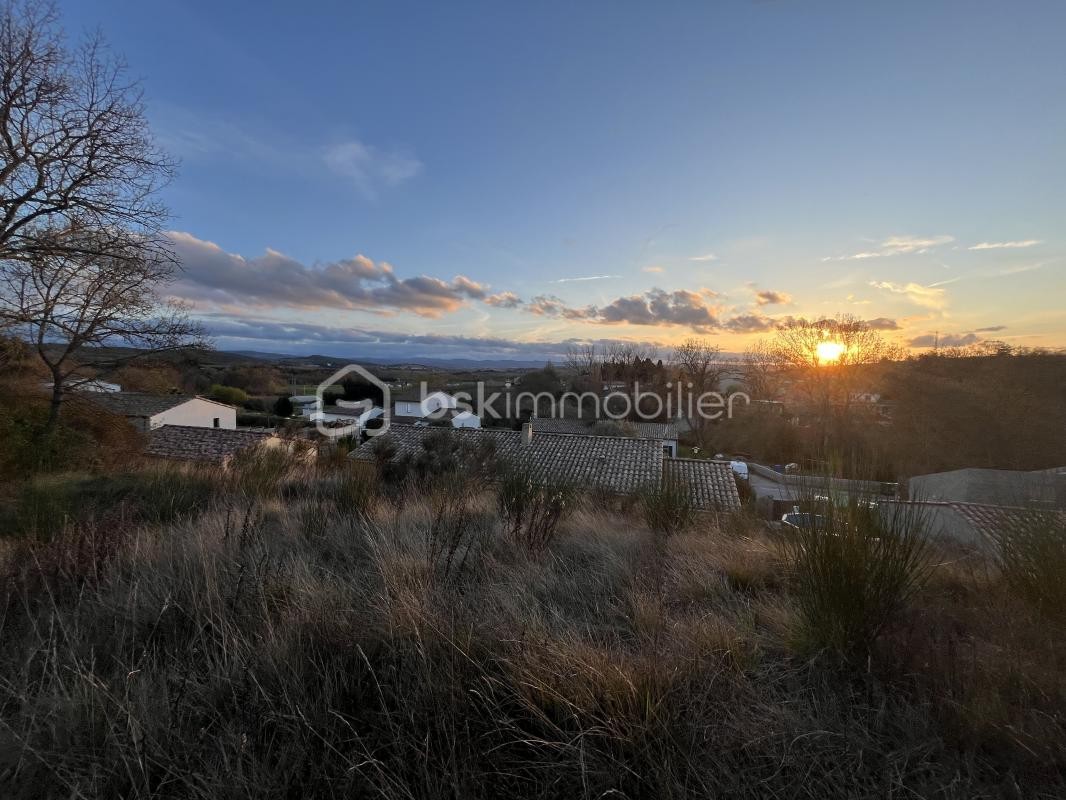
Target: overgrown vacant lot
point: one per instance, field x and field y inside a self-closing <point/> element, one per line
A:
<point x="271" y="637"/>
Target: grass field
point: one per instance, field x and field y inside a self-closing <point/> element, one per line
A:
<point x="304" y="636"/>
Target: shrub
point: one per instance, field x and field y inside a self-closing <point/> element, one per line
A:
<point x="86" y="438"/>
<point x="854" y="566"/>
<point x="283" y="407"/>
<point x="452" y="536"/>
<point x="44" y="507"/>
<point x="608" y="428"/>
<point x="531" y="510"/>
<point x="230" y="395"/>
<point x="667" y="508"/>
<point x="1031" y="550"/>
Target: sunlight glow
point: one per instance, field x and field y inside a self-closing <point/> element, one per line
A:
<point x="828" y="352"/>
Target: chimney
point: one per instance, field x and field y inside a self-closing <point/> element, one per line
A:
<point x="527" y="433"/>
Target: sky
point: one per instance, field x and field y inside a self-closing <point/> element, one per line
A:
<point x="499" y="180"/>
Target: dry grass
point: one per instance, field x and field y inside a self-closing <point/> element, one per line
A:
<point x="308" y="640"/>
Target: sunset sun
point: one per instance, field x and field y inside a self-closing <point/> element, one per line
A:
<point x="829" y="352"/>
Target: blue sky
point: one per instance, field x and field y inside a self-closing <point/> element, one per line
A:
<point x="903" y="162"/>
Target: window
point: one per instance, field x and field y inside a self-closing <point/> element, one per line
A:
<point x="218" y="422"/>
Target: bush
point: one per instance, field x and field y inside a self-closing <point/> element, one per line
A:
<point x="1031" y="550"/>
<point x="667" y="508"/>
<point x="532" y="511"/>
<point x="86" y="438"/>
<point x="44" y="507"/>
<point x="854" y="566"/>
<point x="283" y="407"/>
<point x="230" y="395"/>
<point x="608" y="428"/>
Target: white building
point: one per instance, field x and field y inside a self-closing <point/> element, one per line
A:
<point x="146" y="412"/>
<point x="422" y="407"/>
<point x="304" y="404"/>
<point x="466" y="419"/>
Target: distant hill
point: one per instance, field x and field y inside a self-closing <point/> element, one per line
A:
<point x="409" y="363"/>
<point x="103" y="357"/>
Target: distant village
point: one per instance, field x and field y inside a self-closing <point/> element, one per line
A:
<point x="620" y="456"/>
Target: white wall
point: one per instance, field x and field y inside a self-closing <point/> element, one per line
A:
<point x="198" y="413"/>
<point x="408" y="409"/>
<point x="433" y="402"/>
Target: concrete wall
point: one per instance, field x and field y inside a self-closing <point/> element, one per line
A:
<point x="198" y="413"/>
<point x="991" y="486"/>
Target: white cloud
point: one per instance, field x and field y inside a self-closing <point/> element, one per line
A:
<point x="369" y="167"/>
<point x="214" y="277"/>
<point x="1017" y="269"/>
<point x="652" y="269"/>
<point x="925" y="296"/>
<point x="584" y="278"/>
<point x="897" y="245"/>
<point x="1006" y="245"/>
<point x="705" y="257"/>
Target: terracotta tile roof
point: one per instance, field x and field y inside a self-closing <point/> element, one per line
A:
<point x="212" y="445"/>
<point x="615" y="463"/>
<point x="636" y="430"/>
<point x="136" y="404"/>
<point x="563" y="425"/>
<point x="988" y="520"/>
<point x="710" y="483"/>
<point x="653" y="430"/>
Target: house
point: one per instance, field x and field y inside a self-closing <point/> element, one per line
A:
<point x="466" y="419"/>
<point x="614" y="463"/>
<point x="304" y="404"/>
<point x="1001" y="487"/>
<point x="711" y="484"/>
<point x="205" y="445"/>
<point x="147" y="412"/>
<point x="419" y="407"/>
<point x="666" y="432"/>
<point x="619" y="464"/>
<point x="353" y="417"/>
<point x="777" y="492"/>
<point x="969" y="524"/>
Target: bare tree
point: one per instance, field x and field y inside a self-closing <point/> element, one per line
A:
<point x="76" y="152"/>
<point x="762" y="371"/>
<point x="700" y="364"/>
<point x="82" y="253"/>
<point x="824" y="358"/>
<point x="63" y="302"/>
<point x="584" y="360"/>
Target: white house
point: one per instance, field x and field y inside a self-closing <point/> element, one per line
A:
<point x="466" y="419"/>
<point x="424" y="406"/>
<point x="146" y="412"/>
<point x="360" y="418"/>
<point x="304" y="404"/>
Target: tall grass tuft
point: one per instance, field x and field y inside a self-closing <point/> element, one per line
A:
<point x="1031" y="551"/>
<point x="452" y="535"/>
<point x="44" y="505"/>
<point x="855" y="564"/>
<point x="667" y="508"/>
<point x="532" y="510"/>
